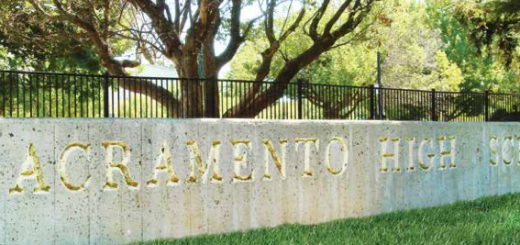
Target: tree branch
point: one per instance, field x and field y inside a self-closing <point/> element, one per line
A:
<point x="336" y="16"/>
<point x="313" y="28"/>
<point x="164" y="28"/>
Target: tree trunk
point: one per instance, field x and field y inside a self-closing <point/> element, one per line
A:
<point x="211" y="89"/>
<point x="262" y="100"/>
<point x="331" y="111"/>
<point x="191" y="89"/>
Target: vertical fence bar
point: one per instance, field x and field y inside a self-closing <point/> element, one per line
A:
<point x="113" y="92"/>
<point x="372" y="103"/>
<point x="62" y="81"/>
<point x="300" y="99"/>
<point x="4" y="85"/>
<point x="486" y="105"/>
<point x="23" y="93"/>
<point x="380" y="110"/>
<point x="30" y="96"/>
<point x="123" y="80"/>
<point x="4" y="96"/>
<point x="49" y="87"/>
<point x="21" y="88"/>
<point x="136" y="97"/>
<point x="17" y="96"/>
<point x="99" y="91"/>
<point x="69" y="84"/>
<point x="105" y="96"/>
<point x="56" y="94"/>
<point x="209" y="90"/>
<point x="76" y="96"/>
<point x="87" y="97"/>
<point x="43" y="95"/>
<point x="81" y="91"/>
<point x="433" y="109"/>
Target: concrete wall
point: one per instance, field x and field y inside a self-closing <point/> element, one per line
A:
<point x="58" y="178"/>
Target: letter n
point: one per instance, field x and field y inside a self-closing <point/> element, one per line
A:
<point x="278" y="161"/>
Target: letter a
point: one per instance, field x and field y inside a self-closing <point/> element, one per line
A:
<point x="166" y="166"/>
<point x="31" y="169"/>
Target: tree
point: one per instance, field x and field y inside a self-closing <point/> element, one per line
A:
<point x="26" y="42"/>
<point x="411" y="47"/>
<point x="482" y="64"/>
<point x="494" y="26"/>
<point x="95" y="22"/>
<point x="411" y="50"/>
<point x="187" y="29"/>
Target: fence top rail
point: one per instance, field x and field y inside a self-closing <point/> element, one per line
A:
<point x="159" y="78"/>
<point x="120" y="77"/>
<point x="506" y="94"/>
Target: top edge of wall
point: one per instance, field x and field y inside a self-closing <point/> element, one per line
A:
<point x="238" y="120"/>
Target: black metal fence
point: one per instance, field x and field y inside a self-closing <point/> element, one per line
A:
<point x="34" y="94"/>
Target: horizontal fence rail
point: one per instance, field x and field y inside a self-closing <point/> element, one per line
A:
<point x="36" y="94"/>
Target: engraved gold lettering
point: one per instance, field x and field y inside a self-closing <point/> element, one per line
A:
<point x="430" y="156"/>
<point x="240" y="160"/>
<point x="62" y="165"/>
<point x="493" y="145"/>
<point x="31" y="169"/>
<point x="507" y="150"/>
<point x="278" y="161"/>
<point x="344" y="150"/>
<point x="164" y="164"/>
<point x="411" y="144"/>
<point x="121" y="166"/>
<point x="307" y="143"/>
<point x="447" y="153"/>
<point x="385" y="155"/>
<point x="197" y="164"/>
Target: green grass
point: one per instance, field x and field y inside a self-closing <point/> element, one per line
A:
<point x="494" y="220"/>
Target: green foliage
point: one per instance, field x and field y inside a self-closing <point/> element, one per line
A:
<point x="493" y="27"/>
<point x="480" y="69"/>
<point x="442" y="44"/>
<point x="423" y="45"/>
<point x="30" y="95"/>
<point x="412" y="55"/>
<point x="447" y="76"/>
<point x="492" y="220"/>
<point x="411" y="48"/>
<point x="29" y="41"/>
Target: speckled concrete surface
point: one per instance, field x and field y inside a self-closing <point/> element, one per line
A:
<point x="114" y="181"/>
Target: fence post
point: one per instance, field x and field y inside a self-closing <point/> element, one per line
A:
<point x="300" y="98"/>
<point x="105" y="95"/>
<point x="380" y="108"/>
<point x="372" y="102"/>
<point x="433" y="113"/>
<point x="486" y="105"/>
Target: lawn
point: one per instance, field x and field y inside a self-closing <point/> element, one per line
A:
<point x="493" y="220"/>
